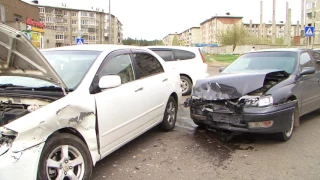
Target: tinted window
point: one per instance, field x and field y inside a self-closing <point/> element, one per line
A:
<point x="166" y="55"/>
<point x="119" y="65"/>
<point x="71" y="66"/>
<point x="263" y="61"/>
<point x="183" y="55"/>
<point x="305" y="60"/>
<point x="147" y="64"/>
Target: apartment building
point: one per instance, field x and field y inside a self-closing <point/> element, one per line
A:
<point x="168" y="40"/>
<point x="210" y="28"/>
<point x="313" y="20"/>
<point x="266" y="30"/>
<point x="189" y="37"/>
<point x="70" y="23"/>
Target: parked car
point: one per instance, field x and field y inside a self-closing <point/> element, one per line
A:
<point x="261" y="92"/>
<point x="64" y="109"/>
<point x="188" y="61"/>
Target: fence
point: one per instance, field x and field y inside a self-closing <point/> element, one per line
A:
<point x="247" y="48"/>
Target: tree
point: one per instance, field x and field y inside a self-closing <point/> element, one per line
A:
<point x="234" y="35"/>
<point x="175" y="41"/>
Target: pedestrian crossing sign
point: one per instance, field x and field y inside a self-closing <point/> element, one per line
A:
<point x="309" y="31"/>
<point x="79" y="41"/>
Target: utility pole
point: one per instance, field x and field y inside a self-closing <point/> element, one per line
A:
<point x="302" y="19"/>
<point x="289" y="28"/>
<point x="109" y="22"/>
<point x="274" y="23"/>
<point x="260" y="27"/>
<point x="286" y="26"/>
<point x="313" y="21"/>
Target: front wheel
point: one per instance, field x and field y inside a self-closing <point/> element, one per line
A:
<point x="65" y="156"/>
<point x="286" y="135"/>
<point x="170" y="115"/>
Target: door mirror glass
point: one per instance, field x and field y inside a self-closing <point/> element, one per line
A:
<point x="221" y="69"/>
<point x="308" y="70"/>
<point x="109" y="81"/>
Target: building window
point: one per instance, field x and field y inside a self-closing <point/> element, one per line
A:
<point x="74" y="30"/>
<point x="50" y="11"/>
<point x="59" y="37"/>
<point x="92" y="14"/>
<point x="74" y="14"/>
<point x="17" y="17"/>
<point x="65" y="13"/>
<point x="41" y="10"/>
<point x="73" y="21"/>
<point x="65" y="21"/>
<point x="84" y="13"/>
<point x="65" y="29"/>
<point x="92" y="38"/>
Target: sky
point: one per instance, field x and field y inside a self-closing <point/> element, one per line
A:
<point x="154" y="19"/>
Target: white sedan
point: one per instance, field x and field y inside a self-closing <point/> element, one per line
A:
<point x="64" y="109"/>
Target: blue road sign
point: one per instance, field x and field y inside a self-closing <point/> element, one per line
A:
<point x="79" y="41"/>
<point x="309" y="31"/>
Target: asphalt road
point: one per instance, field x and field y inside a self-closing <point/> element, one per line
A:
<point x="188" y="152"/>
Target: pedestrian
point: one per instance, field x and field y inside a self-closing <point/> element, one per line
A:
<point x="253" y="49"/>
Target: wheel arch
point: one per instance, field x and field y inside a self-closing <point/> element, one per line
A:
<point x="186" y="75"/>
<point x="297" y="110"/>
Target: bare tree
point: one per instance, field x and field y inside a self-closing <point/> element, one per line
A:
<point x="234" y="35"/>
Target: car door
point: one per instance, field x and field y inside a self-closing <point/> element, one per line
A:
<point x="119" y="109"/>
<point x="309" y="85"/>
<point x="156" y="88"/>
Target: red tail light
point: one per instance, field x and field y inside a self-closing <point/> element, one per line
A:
<point x="202" y="56"/>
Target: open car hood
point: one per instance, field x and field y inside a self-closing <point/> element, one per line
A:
<point x="18" y="57"/>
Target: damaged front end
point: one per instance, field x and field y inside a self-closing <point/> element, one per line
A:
<point x="239" y="102"/>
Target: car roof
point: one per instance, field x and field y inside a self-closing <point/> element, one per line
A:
<point x="92" y="47"/>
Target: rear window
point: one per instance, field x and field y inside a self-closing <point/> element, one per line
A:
<point x="183" y="55"/>
<point x="166" y="55"/>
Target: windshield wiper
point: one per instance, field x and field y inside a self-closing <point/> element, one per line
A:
<point x="9" y="85"/>
<point x="32" y="88"/>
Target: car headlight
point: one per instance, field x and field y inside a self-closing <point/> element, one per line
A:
<point x="265" y="101"/>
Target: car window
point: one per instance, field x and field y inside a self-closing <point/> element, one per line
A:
<point x="263" y="61"/>
<point x="147" y="64"/>
<point x="119" y="65"/>
<point x="305" y="60"/>
<point x="183" y="55"/>
<point x="316" y="57"/>
<point x="166" y="55"/>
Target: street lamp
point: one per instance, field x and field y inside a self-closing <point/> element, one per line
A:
<point x="109" y="22"/>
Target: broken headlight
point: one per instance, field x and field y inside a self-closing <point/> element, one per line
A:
<point x="7" y="137"/>
<point x="265" y="101"/>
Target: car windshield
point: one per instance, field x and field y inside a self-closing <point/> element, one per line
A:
<point x="71" y="66"/>
<point x="282" y="60"/>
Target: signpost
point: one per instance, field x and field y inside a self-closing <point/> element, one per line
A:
<point x="309" y="32"/>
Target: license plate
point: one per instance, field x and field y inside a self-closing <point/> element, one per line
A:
<point x="228" y="118"/>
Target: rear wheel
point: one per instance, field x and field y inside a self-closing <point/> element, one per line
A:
<point x="186" y="85"/>
<point x="170" y="115"/>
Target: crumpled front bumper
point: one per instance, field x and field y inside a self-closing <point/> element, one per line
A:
<point x="280" y="115"/>
<point x="20" y="165"/>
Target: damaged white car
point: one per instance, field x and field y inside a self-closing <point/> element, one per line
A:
<point x="66" y="108"/>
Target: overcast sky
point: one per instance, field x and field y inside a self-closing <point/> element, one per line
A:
<point x="154" y="19"/>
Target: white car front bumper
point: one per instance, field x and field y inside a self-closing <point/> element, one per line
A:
<point x="21" y="165"/>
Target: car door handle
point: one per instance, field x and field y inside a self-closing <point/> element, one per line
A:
<point x="140" y="89"/>
<point x="166" y="79"/>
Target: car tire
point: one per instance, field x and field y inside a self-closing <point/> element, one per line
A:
<point x="77" y="163"/>
<point x="186" y="85"/>
<point x="285" y="136"/>
<point x="170" y="115"/>
<point x="199" y="124"/>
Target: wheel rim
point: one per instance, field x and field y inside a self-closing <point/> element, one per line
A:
<point x="171" y="113"/>
<point x="184" y="85"/>
<point x="288" y="133"/>
<point x="65" y="162"/>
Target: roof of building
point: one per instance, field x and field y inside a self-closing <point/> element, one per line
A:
<point x="277" y="24"/>
<point x="71" y="8"/>
<point x="227" y="16"/>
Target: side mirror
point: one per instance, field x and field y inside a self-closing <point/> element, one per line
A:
<point x="109" y="81"/>
<point x="221" y="69"/>
<point x="307" y="70"/>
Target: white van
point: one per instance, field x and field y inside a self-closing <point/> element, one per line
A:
<point x="188" y="61"/>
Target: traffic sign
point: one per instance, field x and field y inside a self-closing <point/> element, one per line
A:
<point x="309" y="31"/>
<point x="79" y="41"/>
